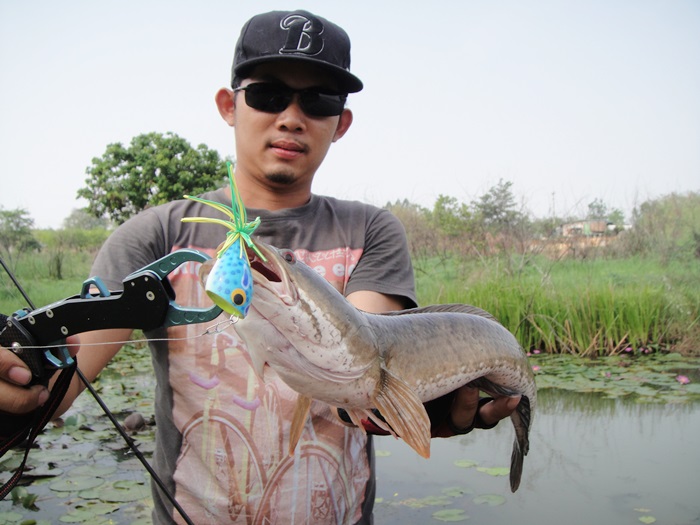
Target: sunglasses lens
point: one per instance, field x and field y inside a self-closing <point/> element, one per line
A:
<point x="274" y="98"/>
<point x="321" y="104"/>
<point x="267" y="97"/>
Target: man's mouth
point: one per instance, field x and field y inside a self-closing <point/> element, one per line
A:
<point x="287" y="148"/>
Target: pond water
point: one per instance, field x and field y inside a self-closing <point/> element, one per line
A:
<point x="592" y="460"/>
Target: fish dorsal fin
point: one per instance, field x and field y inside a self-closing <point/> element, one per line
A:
<point x="404" y="412"/>
<point x="442" y="308"/>
<point x="301" y="413"/>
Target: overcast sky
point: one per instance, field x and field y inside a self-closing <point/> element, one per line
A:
<point x="571" y="101"/>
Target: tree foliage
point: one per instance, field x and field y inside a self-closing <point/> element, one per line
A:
<point x="153" y="169"/>
<point x="81" y="219"/>
<point x="599" y="210"/>
<point x="16" y="234"/>
<point x="668" y="226"/>
<point x="497" y="207"/>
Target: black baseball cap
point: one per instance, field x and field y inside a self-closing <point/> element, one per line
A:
<point x="295" y="35"/>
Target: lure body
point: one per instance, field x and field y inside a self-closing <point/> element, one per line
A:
<point x="229" y="282"/>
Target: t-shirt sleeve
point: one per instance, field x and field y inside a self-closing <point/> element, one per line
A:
<point x="133" y="245"/>
<point x="385" y="265"/>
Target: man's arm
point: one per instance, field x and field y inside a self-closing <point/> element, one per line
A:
<point x="95" y="351"/>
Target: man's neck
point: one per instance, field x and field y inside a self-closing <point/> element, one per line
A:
<point x="264" y="198"/>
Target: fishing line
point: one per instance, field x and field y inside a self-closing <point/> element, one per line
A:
<point x="130" y="442"/>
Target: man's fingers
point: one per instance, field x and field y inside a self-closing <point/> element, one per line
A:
<point x="21" y="400"/>
<point x="15" y="398"/>
<point x="499" y="408"/>
<point x="13" y="369"/>
<point x="464" y="407"/>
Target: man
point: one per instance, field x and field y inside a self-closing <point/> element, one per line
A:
<point x="222" y="433"/>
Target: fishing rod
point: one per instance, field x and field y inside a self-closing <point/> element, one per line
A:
<point x="101" y="309"/>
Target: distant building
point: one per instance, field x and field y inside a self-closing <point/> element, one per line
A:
<point x="587" y="228"/>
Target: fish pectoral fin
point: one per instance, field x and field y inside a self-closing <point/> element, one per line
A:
<point x="258" y="362"/>
<point x="404" y="412"/>
<point x="301" y="413"/>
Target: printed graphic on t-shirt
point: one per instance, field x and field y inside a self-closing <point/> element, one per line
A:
<point x="234" y="465"/>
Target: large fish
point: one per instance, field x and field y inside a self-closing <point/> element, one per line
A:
<point x="326" y="349"/>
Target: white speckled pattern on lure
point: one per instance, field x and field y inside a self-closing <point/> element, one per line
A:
<point x="325" y="349"/>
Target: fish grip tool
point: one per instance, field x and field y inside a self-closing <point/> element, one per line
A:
<point x="38" y="336"/>
<point x="147" y="301"/>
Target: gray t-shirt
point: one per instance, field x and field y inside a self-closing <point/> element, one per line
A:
<point x="222" y="432"/>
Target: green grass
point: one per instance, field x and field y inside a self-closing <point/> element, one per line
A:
<point x="582" y="307"/>
<point x="36" y="274"/>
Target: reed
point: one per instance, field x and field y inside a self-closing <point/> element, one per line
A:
<point x="597" y="307"/>
<point x="36" y="273"/>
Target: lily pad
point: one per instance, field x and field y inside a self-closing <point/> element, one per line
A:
<point x="124" y="491"/>
<point x="647" y="519"/>
<point x="451" y="515"/>
<point x="43" y="471"/>
<point x="436" y="501"/>
<point x="76" y="483"/>
<point x="93" y="470"/>
<point x="456" y="492"/>
<point x="465" y="463"/>
<point x="492" y="500"/>
<point x="494" y="471"/>
<point x="9" y="517"/>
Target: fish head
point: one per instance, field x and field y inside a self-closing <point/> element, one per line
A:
<point x="228" y="281"/>
<point x="299" y="323"/>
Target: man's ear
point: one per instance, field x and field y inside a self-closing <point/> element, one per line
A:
<point x="343" y="124"/>
<point x="225" y="101"/>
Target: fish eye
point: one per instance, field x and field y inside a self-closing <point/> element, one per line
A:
<point x="238" y="296"/>
<point x="288" y="255"/>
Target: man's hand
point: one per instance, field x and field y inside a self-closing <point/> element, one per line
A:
<point x="15" y="397"/>
<point x="467" y="412"/>
<point x="462" y="410"/>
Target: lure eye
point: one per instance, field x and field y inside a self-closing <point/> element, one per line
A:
<point x="288" y="255"/>
<point x="238" y="297"/>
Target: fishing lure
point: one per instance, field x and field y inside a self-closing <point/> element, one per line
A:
<point x="230" y="282"/>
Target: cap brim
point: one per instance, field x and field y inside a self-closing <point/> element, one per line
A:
<point x="347" y="82"/>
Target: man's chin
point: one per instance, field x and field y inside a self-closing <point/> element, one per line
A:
<point x="282" y="179"/>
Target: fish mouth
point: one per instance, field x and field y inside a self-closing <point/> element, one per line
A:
<point x="270" y="273"/>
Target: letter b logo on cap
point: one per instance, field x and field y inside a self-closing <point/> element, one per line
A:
<point x="303" y="35"/>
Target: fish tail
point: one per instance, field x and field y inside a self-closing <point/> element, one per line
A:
<point x="521" y="445"/>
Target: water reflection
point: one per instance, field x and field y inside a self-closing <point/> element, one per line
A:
<point x="592" y="460"/>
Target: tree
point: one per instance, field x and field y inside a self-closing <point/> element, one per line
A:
<point x="668" y="226"/>
<point x="597" y="210"/>
<point x="497" y="208"/>
<point x="16" y="234"/>
<point x="81" y="219"/>
<point x="154" y="169"/>
<point x="450" y="217"/>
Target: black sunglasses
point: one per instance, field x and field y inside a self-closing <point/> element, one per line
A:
<point x="272" y="97"/>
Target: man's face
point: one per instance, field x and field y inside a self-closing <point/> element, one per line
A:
<point x="284" y="149"/>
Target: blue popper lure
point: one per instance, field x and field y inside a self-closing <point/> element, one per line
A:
<point x="230" y="282"/>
